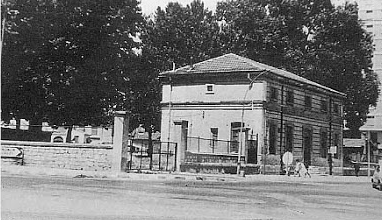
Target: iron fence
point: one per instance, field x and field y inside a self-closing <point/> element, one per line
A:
<point x="205" y="145"/>
<point x="154" y="155"/>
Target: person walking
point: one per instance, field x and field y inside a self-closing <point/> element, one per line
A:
<point x="356" y="168"/>
<point x="300" y="169"/>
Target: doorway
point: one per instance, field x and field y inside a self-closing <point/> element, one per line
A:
<point x="307" y="145"/>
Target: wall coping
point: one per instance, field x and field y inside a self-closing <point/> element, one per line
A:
<point x="48" y="144"/>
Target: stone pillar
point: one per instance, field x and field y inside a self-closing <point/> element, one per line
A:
<point x="180" y="137"/>
<point x="120" y="137"/>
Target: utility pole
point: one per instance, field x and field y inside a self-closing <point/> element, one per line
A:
<point x="242" y="118"/>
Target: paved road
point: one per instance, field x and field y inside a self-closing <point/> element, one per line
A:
<point x="30" y="197"/>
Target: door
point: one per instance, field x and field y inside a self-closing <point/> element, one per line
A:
<point x="252" y="150"/>
<point x="307" y="145"/>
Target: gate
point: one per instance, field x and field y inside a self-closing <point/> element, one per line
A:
<point x="160" y="156"/>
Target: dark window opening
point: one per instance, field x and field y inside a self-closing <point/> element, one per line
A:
<point x="214" y="138"/>
<point x="272" y="138"/>
<point x="289" y="97"/>
<point x="324" y="105"/>
<point x="289" y="138"/>
<point x="336" y="108"/>
<point x="336" y="142"/>
<point x="324" y="144"/>
<point x="235" y="136"/>
<point x="308" y="102"/>
<point x="274" y="93"/>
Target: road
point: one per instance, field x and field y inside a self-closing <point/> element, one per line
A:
<point x="31" y="197"/>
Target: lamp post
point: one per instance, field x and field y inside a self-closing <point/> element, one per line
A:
<point x="367" y="145"/>
<point x="281" y="128"/>
<point x="242" y="119"/>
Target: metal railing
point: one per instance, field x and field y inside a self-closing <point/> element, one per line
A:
<point x="158" y="156"/>
<point x="205" y="145"/>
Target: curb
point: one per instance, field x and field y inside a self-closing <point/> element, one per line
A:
<point x="161" y="176"/>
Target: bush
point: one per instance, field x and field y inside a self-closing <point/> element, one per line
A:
<point x="320" y="162"/>
<point x="272" y="160"/>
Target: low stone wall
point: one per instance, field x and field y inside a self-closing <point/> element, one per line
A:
<point x="215" y="163"/>
<point x="60" y="155"/>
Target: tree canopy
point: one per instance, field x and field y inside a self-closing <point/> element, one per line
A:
<point x="312" y="39"/>
<point x="75" y="61"/>
<point x="69" y="62"/>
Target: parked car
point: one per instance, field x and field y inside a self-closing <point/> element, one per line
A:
<point x="376" y="180"/>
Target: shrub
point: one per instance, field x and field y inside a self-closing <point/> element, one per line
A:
<point x="272" y="160"/>
<point x="320" y="162"/>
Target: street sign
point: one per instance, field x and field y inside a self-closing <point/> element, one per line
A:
<point x="287" y="158"/>
<point x="333" y="150"/>
<point x="11" y="152"/>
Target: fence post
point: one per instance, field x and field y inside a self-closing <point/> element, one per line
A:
<point x="160" y="155"/>
<point x="168" y="149"/>
<point x="121" y="127"/>
<point x="175" y="158"/>
<point x="180" y="137"/>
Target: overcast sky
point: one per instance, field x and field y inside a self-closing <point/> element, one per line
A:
<point x="149" y="6"/>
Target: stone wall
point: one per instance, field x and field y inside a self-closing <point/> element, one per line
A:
<point x="60" y="155"/>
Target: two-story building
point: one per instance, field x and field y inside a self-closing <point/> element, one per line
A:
<point x="228" y="106"/>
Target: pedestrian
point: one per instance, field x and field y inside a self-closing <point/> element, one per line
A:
<point x="356" y="168"/>
<point x="300" y="169"/>
<point x="307" y="169"/>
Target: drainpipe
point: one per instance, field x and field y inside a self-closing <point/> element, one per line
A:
<point x="281" y="128"/>
<point x="169" y="112"/>
<point x="330" y="158"/>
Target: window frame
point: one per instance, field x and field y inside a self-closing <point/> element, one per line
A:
<point x="289" y="99"/>
<point x="308" y="102"/>
<point x="212" y="86"/>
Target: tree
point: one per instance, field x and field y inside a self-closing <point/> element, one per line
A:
<point x="180" y="35"/>
<point x="310" y="38"/>
<point x="68" y="62"/>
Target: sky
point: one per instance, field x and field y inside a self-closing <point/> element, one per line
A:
<point x="150" y="6"/>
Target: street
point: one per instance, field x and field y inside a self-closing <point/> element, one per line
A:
<point x="31" y="197"/>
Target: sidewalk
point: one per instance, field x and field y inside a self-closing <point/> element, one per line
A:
<point x="152" y="175"/>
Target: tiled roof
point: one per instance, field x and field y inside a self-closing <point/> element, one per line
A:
<point x="232" y="63"/>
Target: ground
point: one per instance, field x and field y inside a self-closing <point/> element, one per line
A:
<point x="49" y="197"/>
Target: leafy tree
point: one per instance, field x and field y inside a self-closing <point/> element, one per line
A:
<point x="177" y="35"/>
<point x="181" y="35"/>
<point x="68" y="62"/>
<point x="310" y="38"/>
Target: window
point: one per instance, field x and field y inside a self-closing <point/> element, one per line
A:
<point x="210" y="88"/>
<point x="308" y="102"/>
<point x="336" y="108"/>
<point x="235" y="135"/>
<point x="274" y="93"/>
<point x="336" y="142"/>
<point x="289" y="97"/>
<point x="324" y="144"/>
<point x="272" y="138"/>
<point x="94" y="130"/>
<point x="324" y="105"/>
<point x="289" y="138"/>
<point x="214" y="139"/>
